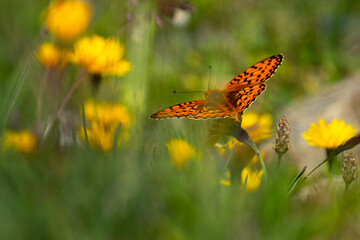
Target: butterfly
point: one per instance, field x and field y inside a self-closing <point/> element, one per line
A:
<point x="232" y="100"/>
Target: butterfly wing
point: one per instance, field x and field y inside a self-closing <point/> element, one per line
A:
<point x="240" y="92"/>
<point x="198" y="109"/>
<point x="243" y="89"/>
<point x="243" y="98"/>
<point x="256" y="74"/>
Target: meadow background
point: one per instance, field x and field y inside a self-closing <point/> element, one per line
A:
<point x="66" y="190"/>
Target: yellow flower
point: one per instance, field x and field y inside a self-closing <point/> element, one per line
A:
<point x="257" y="126"/>
<point x="22" y="141"/>
<point x="226" y="180"/>
<point x="101" y="56"/>
<point x="252" y="177"/>
<point x="329" y="135"/>
<point x="107" y="113"/>
<point x="67" y="19"/>
<point x="255" y="159"/>
<point x="180" y="152"/>
<point x="104" y="119"/>
<point x="52" y="56"/>
<point x="99" y="137"/>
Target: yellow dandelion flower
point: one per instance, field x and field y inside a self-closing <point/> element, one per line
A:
<point x="22" y="141"/>
<point x="107" y="113"/>
<point x="252" y="177"/>
<point x="329" y="135"/>
<point x="257" y="126"/>
<point x="255" y="159"/>
<point x="104" y="119"/>
<point x="181" y="152"/>
<point x="99" y="136"/>
<point x="232" y="143"/>
<point x="226" y="180"/>
<point x="52" y="56"/>
<point x="67" y="19"/>
<point x="101" y="56"/>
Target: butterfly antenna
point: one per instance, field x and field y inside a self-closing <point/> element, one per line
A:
<point x="209" y="77"/>
<point x="188" y="91"/>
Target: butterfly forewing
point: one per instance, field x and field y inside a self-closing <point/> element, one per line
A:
<point x="256" y="74"/>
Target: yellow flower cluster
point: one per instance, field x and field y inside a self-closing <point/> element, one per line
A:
<point x="104" y="118"/>
<point x="181" y="152"/>
<point x="329" y="135"/>
<point x="22" y="141"/>
<point x="52" y="56"/>
<point x="101" y="56"/>
<point x="67" y="19"/>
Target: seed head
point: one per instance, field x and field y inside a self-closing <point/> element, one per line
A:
<point x="349" y="168"/>
<point x="282" y="136"/>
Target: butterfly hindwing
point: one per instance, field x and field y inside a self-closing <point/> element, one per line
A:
<point x="244" y="97"/>
<point x="198" y="109"/>
<point x="212" y="113"/>
<point x="256" y="74"/>
<point x="179" y="110"/>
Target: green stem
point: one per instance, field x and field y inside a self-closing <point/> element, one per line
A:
<point x="68" y="95"/>
<point x="245" y="184"/>
<point x="116" y="137"/>
<point x="254" y="147"/>
<point x="20" y="82"/>
<point x="296" y="180"/>
<point x="346" y="188"/>
<point x="331" y="160"/>
<point x="241" y="135"/>
<point x="228" y="161"/>
<point x="84" y="123"/>
<point x="279" y="159"/>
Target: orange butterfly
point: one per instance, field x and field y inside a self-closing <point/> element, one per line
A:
<point x="232" y="100"/>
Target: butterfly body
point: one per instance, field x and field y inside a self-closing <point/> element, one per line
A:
<point x="219" y="100"/>
<point x="232" y="100"/>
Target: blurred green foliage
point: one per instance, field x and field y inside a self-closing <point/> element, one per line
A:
<point x="75" y="192"/>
